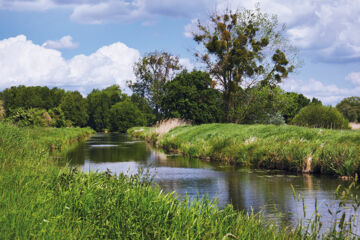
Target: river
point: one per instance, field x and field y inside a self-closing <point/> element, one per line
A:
<point x="267" y="191"/>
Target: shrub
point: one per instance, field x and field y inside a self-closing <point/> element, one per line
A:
<point x="124" y="115"/>
<point x="30" y="117"/>
<point x="319" y="116"/>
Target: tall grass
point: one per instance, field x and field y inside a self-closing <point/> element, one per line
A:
<point x="40" y="200"/>
<point x="289" y="148"/>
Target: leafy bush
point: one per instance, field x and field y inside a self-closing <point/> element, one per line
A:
<point x="30" y="117"/>
<point x="350" y="108"/>
<point x="319" y="116"/>
<point x="124" y="115"/>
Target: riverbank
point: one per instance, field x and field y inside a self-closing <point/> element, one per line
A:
<point x="40" y="200"/>
<point x="290" y="148"/>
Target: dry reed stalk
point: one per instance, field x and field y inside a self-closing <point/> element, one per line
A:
<point x="165" y="126"/>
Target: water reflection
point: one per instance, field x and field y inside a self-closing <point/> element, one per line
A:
<point x="266" y="191"/>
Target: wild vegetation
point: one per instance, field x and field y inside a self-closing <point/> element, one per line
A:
<point x="319" y="116"/>
<point x="43" y="201"/>
<point x="291" y="148"/>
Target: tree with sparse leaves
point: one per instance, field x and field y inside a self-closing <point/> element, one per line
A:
<point x="152" y="72"/>
<point x="243" y="49"/>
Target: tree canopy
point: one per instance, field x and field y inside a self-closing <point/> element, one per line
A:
<point x="350" y="108"/>
<point x="152" y="72"/>
<point x="190" y="96"/>
<point x="242" y="49"/>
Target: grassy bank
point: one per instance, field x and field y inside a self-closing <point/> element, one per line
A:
<point x="290" y="148"/>
<point x="40" y="200"/>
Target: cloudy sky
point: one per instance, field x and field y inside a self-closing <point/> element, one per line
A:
<point x="86" y="44"/>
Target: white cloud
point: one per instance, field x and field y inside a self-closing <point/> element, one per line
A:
<point x="354" y="78"/>
<point x="329" y="94"/>
<point x="65" y="42"/>
<point x="23" y="62"/>
<point x="186" y="63"/>
<point x="328" y="30"/>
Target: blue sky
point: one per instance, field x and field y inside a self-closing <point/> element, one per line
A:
<point x="87" y="44"/>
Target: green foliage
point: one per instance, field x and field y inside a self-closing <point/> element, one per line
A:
<point x="319" y="116"/>
<point x="57" y="117"/>
<point x="144" y="107"/>
<point x="258" y="105"/>
<point x="99" y="104"/>
<point x="125" y="115"/>
<point x="195" y="99"/>
<point x="114" y="93"/>
<point x="242" y="50"/>
<point x="293" y="102"/>
<point x="30" y="117"/>
<point x="152" y="72"/>
<point x="31" y="97"/>
<point x="350" y="108"/>
<point x="74" y="107"/>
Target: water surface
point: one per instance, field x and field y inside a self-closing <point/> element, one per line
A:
<point x="257" y="190"/>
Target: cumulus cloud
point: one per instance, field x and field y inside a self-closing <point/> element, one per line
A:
<point x="329" y="94"/>
<point x="65" y="42"/>
<point x="354" y="78"/>
<point x="25" y="63"/>
<point x="328" y="30"/>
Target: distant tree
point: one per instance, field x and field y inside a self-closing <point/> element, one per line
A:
<point x="99" y="104"/>
<point x="241" y="50"/>
<point x="318" y="116"/>
<point x="261" y="104"/>
<point x="190" y="96"/>
<point x="293" y="103"/>
<point x="144" y="107"/>
<point x="152" y="72"/>
<point x="31" y="97"/>
<point x="74" y="107"/>
<point x="350" y="108"/>
<point x="124" y="115"/>
<point x="316" y="101"/>
<point x="114" y="93"/>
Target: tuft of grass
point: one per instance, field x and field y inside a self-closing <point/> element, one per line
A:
<point x="290" y="148"/>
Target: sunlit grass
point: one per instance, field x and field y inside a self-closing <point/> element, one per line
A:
<point x="268" y="146"/>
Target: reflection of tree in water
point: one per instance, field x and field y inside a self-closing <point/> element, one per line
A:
<point x="109" y="148"/>
<point x="260" y="190"/>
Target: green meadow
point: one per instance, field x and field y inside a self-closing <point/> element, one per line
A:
<point x="291" y="148"/>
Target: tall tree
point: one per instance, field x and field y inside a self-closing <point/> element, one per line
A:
<point x="152" y="72"/>
<point x="74" y="107"/>
<point x="99" y="104"/>
<point x="190" y="96"/>
<point x="242" y="49"/>
<point x="350" y="108"/>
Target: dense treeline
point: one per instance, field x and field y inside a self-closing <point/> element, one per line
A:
<point x="106" y="109"/>
<point x="190" y="95"/>
<point x="245" y="56"/>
